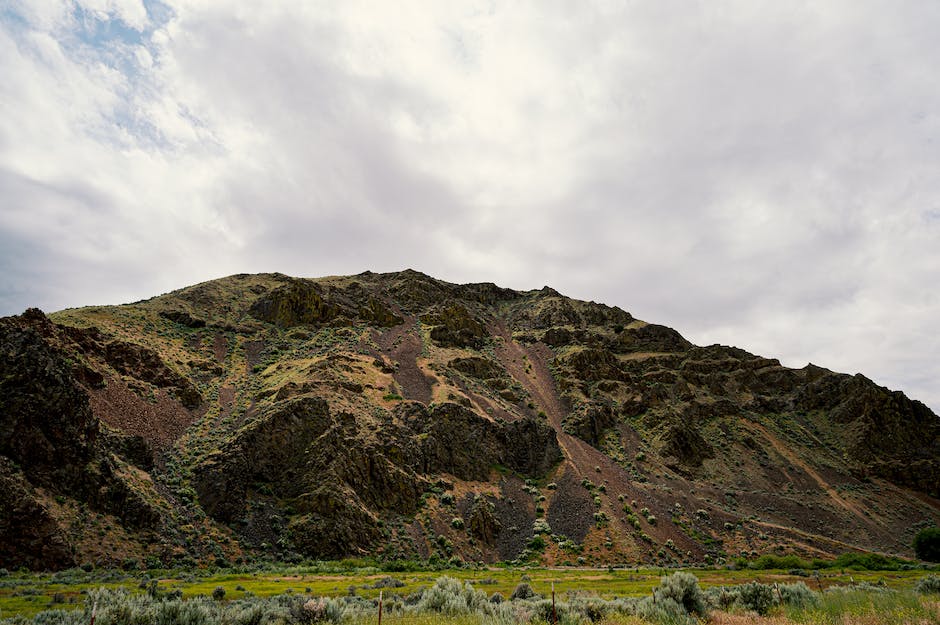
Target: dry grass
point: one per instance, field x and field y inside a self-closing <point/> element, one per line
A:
<point x="726" y="618"/>
<point x="623" y="619"/>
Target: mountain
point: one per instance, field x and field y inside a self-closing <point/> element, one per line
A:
<point x="400" y="416"/>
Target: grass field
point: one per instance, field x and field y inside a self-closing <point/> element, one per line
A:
<point x="26" y="594"/>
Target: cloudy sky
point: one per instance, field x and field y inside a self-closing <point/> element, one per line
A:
<point x="762" y="174"/>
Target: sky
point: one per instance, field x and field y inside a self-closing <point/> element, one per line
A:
<point x="758" y="174"/>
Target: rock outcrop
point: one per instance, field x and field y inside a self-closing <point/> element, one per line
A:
<point x="338" y="471"/>
<point x="400" y="416"/>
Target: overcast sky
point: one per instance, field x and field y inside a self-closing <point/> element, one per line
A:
<point x="761" y="174"/>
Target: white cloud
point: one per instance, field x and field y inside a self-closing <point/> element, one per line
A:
<point x="751" y="173"/>
<point x="131" y="12"/>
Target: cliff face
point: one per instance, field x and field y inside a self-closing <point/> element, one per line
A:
<point x="402" y="416"/>
<point x="51" y="449"/>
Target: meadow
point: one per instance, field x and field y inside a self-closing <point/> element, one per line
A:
<point x="349" y="592"/>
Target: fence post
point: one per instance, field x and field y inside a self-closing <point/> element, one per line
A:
<point x="554" y="614"/>
<point x="380" y="607"/>
<point x="94" y="611"/>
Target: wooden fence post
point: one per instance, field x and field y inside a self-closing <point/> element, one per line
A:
<point x="554" y="614"/>
<point x="380" y="606"/>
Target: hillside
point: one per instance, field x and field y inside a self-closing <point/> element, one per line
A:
<point x="401" y="416"/>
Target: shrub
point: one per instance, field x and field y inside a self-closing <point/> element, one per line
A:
<point x="537" y="543"/>
<point x="540" y="611"/>
<point x="130" y="564"/>
<point x="757" y="597"/>
<point x="682" y="588"/>
<point x="663" y="612"/>
<point x="153" y="588"/>
<point x="927" y="544"/>
<point x="456" y="523"/>
<point x="868" y="561"/>
<point x="219" y="593"/>
<point x="770" y="561"/>
<point x="448" y="596"/>
<point x="388" y="582"/>
<point x="798" y="595"/>
<point x="928" y="585"/>
<point x="722" y="597"/>
<point x="251" y="614"/>
<point x="522" y="591"/>
<point x="314" y="610"/>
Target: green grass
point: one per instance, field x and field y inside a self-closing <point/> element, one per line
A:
<point x="836" y="608"/>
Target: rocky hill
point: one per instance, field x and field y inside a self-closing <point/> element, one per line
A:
<point x="400" y="416"/>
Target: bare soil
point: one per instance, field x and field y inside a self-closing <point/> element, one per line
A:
<point x="403" y="346"/>
<point x="160" y="422"/>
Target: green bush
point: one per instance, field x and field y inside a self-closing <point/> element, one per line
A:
<point x="682" y="588"/>
<point x="594" y="608"/>
<point x="798" y="595"/>
<point x="927" y="544"/>
<point x="448" y="596"/>
<point x="663" y="612"/>
<point x="721" y="597"/>
<point x="388" y="582"/>
<point x="522" y="591"/>
<point x="771" y="561"/>
<point x="537" y="543"/>
<point x="928" y="585"/>
<point x="757" y="597"/>
<point x="868" y="562"/>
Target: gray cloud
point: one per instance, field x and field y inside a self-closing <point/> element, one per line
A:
<point x="749" y="173"/>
